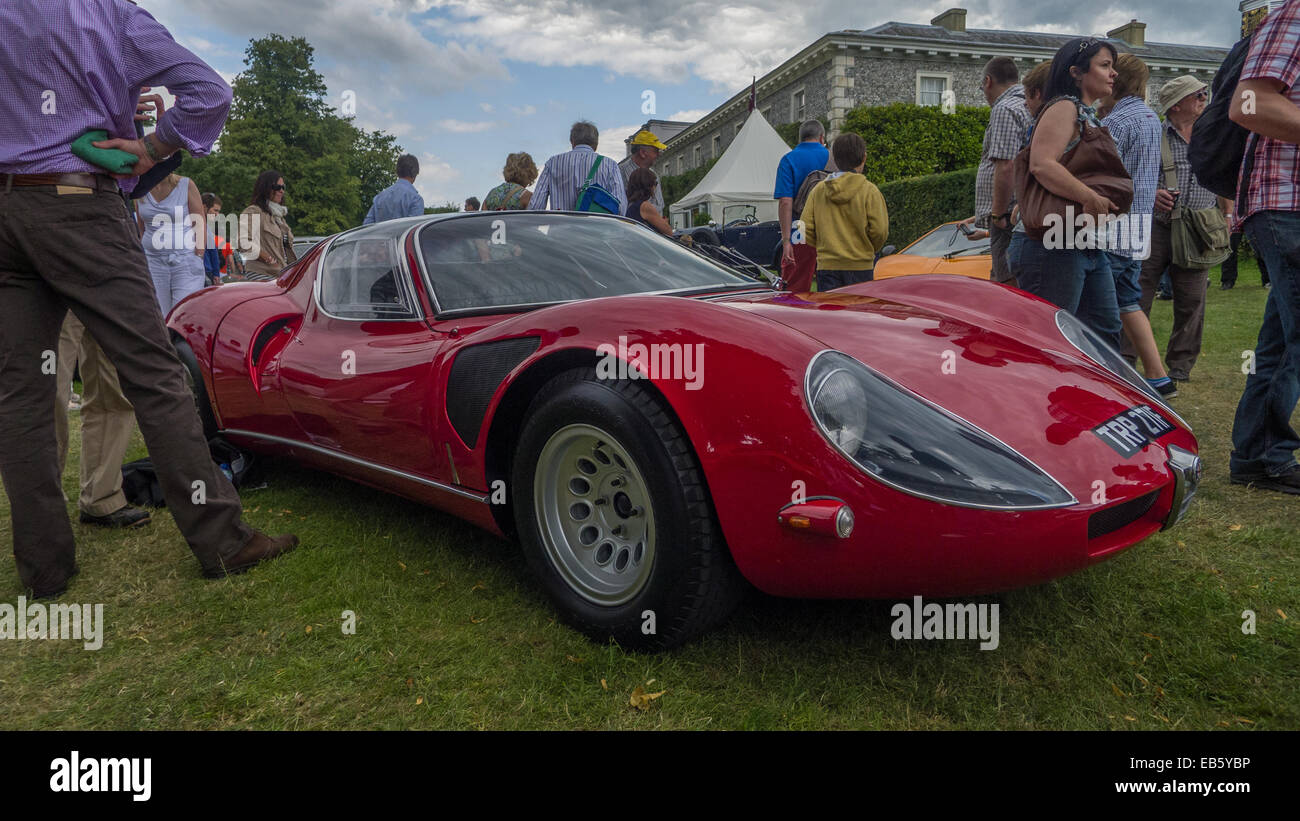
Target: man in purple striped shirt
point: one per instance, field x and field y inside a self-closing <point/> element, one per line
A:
<point x="67" y="243"/>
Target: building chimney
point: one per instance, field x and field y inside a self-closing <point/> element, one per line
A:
<point x="952" y="19"/>
<point x="1132" y="32"/>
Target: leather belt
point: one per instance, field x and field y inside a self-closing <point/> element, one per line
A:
<point x="100" y="182"/>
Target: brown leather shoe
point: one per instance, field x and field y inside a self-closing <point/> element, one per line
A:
<point x="260" y="548"/>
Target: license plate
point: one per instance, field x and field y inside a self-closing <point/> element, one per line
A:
<point x="1129" y="431"/>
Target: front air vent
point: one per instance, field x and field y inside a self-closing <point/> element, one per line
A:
<point x="1121" y="515"/>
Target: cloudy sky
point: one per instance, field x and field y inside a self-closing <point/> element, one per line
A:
<point x="462" y="83"/>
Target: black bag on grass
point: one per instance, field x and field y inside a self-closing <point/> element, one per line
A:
<point x="140" y="480"/>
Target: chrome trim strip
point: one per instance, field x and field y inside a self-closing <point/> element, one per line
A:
<point x="481" y="498"/>
<point x="808" y="400"/>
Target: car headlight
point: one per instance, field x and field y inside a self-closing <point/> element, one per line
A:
<point x="914" y="446"/>
<point x="840" y="404"/>
<point x="1098" y="350"/>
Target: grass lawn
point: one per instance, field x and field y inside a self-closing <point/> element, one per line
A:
<point x="453" y="633"/>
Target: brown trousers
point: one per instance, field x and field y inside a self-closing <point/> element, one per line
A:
<point x="1189" y="302"/>
<point x="107" y="419"/>
<point x="61" y="250"/>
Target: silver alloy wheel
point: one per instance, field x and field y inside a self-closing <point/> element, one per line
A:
<point x="594" y="515"/>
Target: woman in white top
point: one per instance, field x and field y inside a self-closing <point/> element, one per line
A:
<point x="173" y="249"/>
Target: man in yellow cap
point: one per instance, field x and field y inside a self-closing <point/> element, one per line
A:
<point x="645" y="148"/>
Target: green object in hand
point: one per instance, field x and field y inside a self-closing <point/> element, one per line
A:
<point x="112" y="160"/>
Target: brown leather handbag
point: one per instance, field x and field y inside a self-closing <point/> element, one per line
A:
<point x="1093" y="159"/>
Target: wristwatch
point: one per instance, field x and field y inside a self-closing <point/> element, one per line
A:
<point x="995" y="217"/>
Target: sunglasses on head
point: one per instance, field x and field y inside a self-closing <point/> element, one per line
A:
<point x="1085" y="45"/>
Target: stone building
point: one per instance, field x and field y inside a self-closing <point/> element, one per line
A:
<point x="907" y="63"/>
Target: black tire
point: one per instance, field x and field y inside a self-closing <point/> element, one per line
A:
<point x="706" y="236"/>
<point x="687" y="578"/>
<point x="194" y="377"/>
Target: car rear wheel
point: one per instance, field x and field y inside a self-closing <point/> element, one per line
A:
<point x="614" y="516"/>
<point x="194" y="381"/>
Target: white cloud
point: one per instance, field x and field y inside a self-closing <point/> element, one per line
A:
<point x="688" y="116"/>
<point x="465" y="126"/>
<point x="487" y="107"/>
<point x="526" y="111"/>
<point x="437" y="180"/>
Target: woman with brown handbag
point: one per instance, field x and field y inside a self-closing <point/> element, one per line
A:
<point x="1069" y="176"/>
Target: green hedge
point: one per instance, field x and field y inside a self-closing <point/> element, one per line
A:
<point x="676" y="186"/>
<point x="918" y="204"/>
<point x="905" y="140"/>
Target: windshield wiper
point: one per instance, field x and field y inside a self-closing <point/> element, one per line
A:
<point x="981" y="248"/>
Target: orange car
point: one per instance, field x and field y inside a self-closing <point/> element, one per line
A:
<point x="945" y="250"/>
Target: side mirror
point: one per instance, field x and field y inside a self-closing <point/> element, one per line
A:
<point x="887" y="250"/>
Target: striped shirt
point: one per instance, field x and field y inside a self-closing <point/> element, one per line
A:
<point x="1135" y="128"/>
<point x="72" y="67"/>
<point x="1274" y="54"/>
<point x="1009" y="121"/>
<point x="565" y="173"/>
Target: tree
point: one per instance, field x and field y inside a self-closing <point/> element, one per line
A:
<point x="280" y="120"/>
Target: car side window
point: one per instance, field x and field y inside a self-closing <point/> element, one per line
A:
<point x="363" y="279"/>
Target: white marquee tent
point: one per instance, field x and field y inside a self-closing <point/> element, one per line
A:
<point x="744" y="175"/>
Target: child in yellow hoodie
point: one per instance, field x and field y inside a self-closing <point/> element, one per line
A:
<point x="845" y="218"/>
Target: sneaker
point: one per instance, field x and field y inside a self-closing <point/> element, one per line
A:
<point x="1286" y="482"/>
<point x="1226" y="286"/>
<point x="1165" y="386"/>
<point x="1164" y="295"/>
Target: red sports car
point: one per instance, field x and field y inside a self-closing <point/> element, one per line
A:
<point x="655" y="427"/>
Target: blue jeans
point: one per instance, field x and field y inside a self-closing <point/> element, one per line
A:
<point x="1076" y="280"/>
<point x="1263" y="440"/>
<point x="1128" y="286"/>
<point x="1014" y="249"/>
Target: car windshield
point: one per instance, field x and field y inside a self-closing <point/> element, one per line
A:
<point x="946" y="239"/>
<point x="497" y="259"/>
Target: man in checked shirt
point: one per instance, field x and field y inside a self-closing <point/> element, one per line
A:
<point x="1267" y="101"/>
<point x="66" y="243"/>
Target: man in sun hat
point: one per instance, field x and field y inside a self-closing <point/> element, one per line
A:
<point x="645" y="148"/>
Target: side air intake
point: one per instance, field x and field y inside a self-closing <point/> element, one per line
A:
<point x="475" y="375"/>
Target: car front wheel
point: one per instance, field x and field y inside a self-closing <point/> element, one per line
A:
<point x="614" y="516"/>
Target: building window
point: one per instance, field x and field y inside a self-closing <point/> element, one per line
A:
<point x="798" y="106"/>
<point x="930" y="88"/>
<point x="681" y="164"/>
<point x="767" y="113"/>
<point x="736" y="133"/>
<point x="696" y="157"/>
<point x="717" y="145"/>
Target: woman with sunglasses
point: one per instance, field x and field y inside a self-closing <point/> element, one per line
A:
<point x="1052" y="266"/>
<point x="265" y="238"/>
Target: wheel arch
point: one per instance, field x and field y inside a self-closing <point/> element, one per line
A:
<point x="509" y="416"/>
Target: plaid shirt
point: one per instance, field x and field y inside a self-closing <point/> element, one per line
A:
<point x="1191" y="194"/>
<point x="1274" y="54"/>
<point x="1136" y="131"/>
<point x="1009" y="121"/>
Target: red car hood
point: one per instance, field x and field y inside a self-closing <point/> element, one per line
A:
<point x="1001" y="365"/>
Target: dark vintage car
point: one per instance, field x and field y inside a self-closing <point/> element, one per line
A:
<point x="758" y="241"/>
<point x="655" y="428"/>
